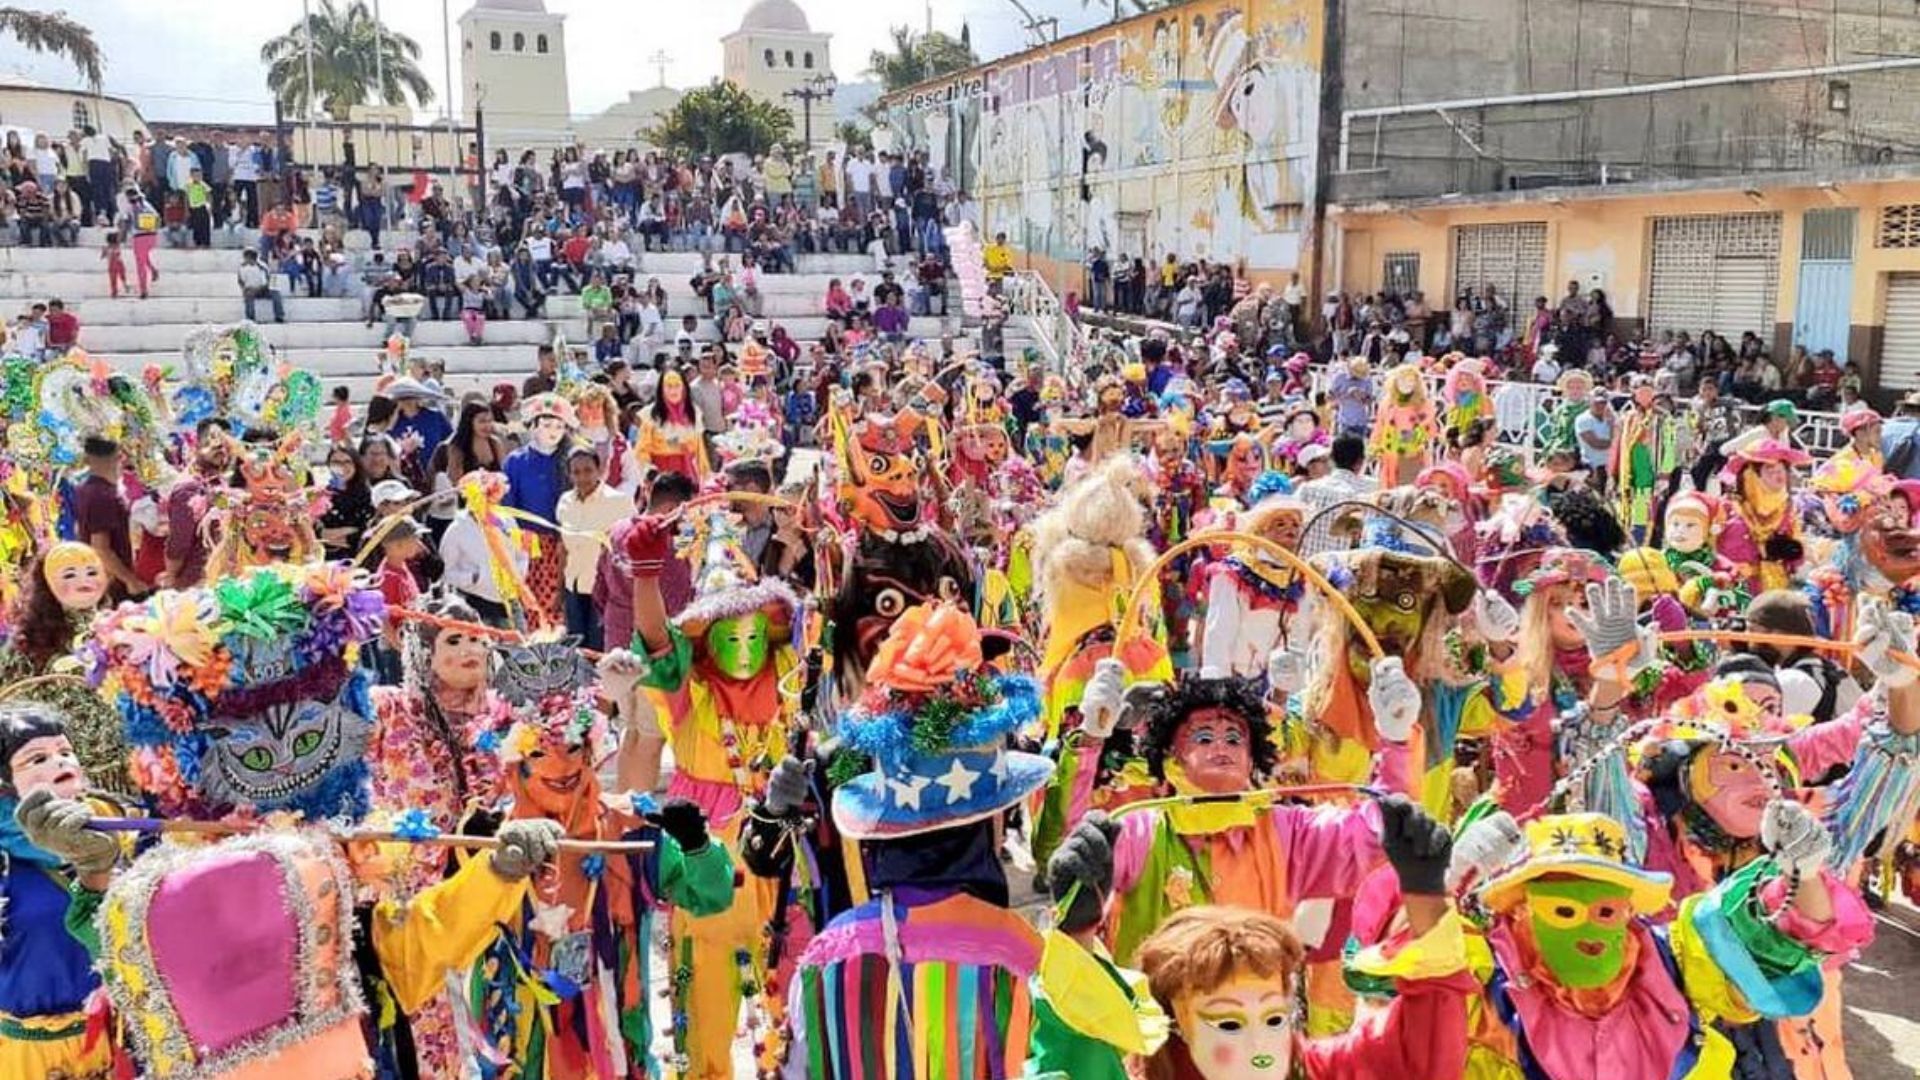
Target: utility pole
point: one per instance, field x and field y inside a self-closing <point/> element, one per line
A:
<point x="379" y="59"/>
<point x="818" y="88"/>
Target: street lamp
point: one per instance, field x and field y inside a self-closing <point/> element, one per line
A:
<point x="818" y="88"/>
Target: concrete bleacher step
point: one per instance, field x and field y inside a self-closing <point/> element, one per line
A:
<point x="194" y="310"/>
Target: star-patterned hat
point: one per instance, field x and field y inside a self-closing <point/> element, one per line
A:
<point x="935" y="721"/>
<point x="1592" y="847"/>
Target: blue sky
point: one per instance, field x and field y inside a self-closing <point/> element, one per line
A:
<point x="199" y="59"/>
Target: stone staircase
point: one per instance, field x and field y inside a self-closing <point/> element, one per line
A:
<point x="329" y="336"/>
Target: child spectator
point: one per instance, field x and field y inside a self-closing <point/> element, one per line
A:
<point x="340" y="425"/>
<point x="174" y="218"/>
<point x="116" y="265"/>
<point x="474" y="294"/>
<point x="399" y="546"/>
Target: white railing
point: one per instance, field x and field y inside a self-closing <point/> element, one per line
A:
<point x="1517" y="407"/>
<point x="1062" y="341"/>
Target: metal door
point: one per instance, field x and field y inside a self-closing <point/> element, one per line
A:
<point x="1900" y="348"/>
<point x="1822" y="311"/>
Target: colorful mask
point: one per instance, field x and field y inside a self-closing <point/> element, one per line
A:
<point x="673" y="388"/>
<point x="880" y="481"/>
<point x="528" y="673"/>
<point x="271" y="757"/>
<point x="1215" y="752"/>
<point x="1580" y="929"/>
<point x="547" y="433"/>
<point x="1241" y="1031"/>
<point x="1730" y="790"/>
<point x="76" y="576"/>
<point x="1889" y="542"/>
<point x="1686" y="531"/>
<point x="47" y="763"/>
<point x="739" y="645"/>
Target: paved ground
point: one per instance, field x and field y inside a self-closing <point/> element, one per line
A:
<point x="1883" y="1002"/>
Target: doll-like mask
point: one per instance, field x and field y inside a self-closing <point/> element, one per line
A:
<point x="1686" y="531"/>
<point x="1243" y="1030"/>
<point x="1580" y="929"/>
<point x="547" y="433"/>
<point x="739" y="645"/>
<point x="1730" y="789"/>
<point x="459" y="660"/>
<point x="47" y="763"/>
<point x="1214" y="748"/>
<point x="75" y="575"/>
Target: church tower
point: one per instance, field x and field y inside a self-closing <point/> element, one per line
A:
<point x="513" y="65"/>
<point x="776" y="50"/>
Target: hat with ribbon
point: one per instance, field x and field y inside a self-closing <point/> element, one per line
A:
<point x="935" y="720"/>
<point x="1592" y="847"/>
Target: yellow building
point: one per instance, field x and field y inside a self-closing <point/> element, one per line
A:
<point x="1829" y="261"/>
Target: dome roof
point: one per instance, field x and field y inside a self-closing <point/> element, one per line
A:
<point x="776" y="15"/>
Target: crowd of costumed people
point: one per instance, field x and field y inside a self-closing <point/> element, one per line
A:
<point x="1104" y="719"/>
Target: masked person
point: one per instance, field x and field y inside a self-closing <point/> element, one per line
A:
<point x="46" y="975"/>
<point x="63" y="591"/>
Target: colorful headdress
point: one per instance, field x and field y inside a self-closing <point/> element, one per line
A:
<point x="544" y="406"/>
<point x="232" y="373"/>
<point x="751" y="436"/>
<point x="247" y="696"/>
<point x="52" y="408"/>
<point x="1592" y="847"/>
<point x="548" y="696"/>
<point x="284" y="901"/>
<point x="936" y="722"/>
<point x="1848" y="487"/>
<point x="726" y="584"/>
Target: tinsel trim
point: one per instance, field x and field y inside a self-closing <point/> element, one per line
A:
<point x="736" y="602"/>
<point x="939" y="724"/>
<point x="316" y="682"/>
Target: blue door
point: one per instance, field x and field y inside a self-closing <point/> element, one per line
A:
<point x="1822" y="311"/>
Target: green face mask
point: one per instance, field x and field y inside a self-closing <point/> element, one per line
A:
<point x="739" y="645"/>
<point x="1396" y="627"/>
<point x="1580" y="928"/>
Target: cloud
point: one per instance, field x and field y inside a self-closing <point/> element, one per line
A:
<point x="200" y="59"/>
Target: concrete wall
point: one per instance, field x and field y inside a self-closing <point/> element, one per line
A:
<point x="522" y="92"/>
<point x="744" y="63"/>
<point x="39" y="109"/>
<point x="1410" y="51"/>
<point x="1612" y="237"/>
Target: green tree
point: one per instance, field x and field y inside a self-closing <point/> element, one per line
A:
<point x="915" y="58"/>
<point x="355" y="60"/>
<point x="52" y="32"/>
<point x="1126" y="8"/>
<point x="856" y="136"/>
<point x="721" y="118"/>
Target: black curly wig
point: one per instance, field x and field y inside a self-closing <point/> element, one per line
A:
<point x="1587" y="521"/>
<point x="1168" y="706"/>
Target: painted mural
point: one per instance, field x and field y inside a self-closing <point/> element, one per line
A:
<point x="1190" y="131"/>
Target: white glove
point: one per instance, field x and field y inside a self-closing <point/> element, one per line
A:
<point x="1794" y="837"/>
<point x="1611" y="621"/>
<point x="1880" y="634"/>
<point x="1286" y="671"/>
<point x="1394" y="698"/>
<point x="1497" y="620"/>
<point x="620" y="671"/>
<point x="1100" y="703"/>
<point x="1487" y="847"/>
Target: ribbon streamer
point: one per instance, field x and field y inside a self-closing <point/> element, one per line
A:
<point x="383" y="836"/>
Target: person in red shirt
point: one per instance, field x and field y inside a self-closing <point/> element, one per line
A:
<point x="275" y="222"/>
<point x="63" y="327"/>
<point x="575" y="249"/>
<point x="399" y="546"/>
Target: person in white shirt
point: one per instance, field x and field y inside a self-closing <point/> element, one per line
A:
<point x="469" y="568"/>
<point x="616" y="253"/>
<point x="246" y="180"/>
<point x="1344" y="483"/>
<point x="586" y="514"/>
<point x="468" y="265"/>
<point x="860" y="183"/>
<point x="1253" y="599"/>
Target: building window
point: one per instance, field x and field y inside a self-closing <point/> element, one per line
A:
<point x="809" y="59"/>
<point x="493" y="40"/>
<point x="540" y="43"/>
<point x="81" y="117"/>
<point x="789" y="57"/>
<point x="1401" y="272"/>
<point x="519" y="42"/>
<point x="1899" y="226"/>
<point x="769" y="57"/>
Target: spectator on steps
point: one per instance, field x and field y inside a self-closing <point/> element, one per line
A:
<point x="141" y="223"/>
<point x="116" y="265"/>
<point x="256" y="284"/>
<point x="63" y="328"/>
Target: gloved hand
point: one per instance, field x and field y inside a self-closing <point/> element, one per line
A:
<point x="526" y="845"/>
<point x="683" y="820"/>
<point x="1085" y="859"/>
<point x="1418" y="846"/>
<point x="1666" y="773"/>
<point x="620" y="670"/>
<point x="1794" y="837"/>
<point x="1488" y="846"/>
<point x="1394" y="698"/>
<point x="649" y="544"/>
<point x="1100" y="702"/>
<point x="1286" y="671"/>
<point x="1880" y="633"/>
<point x="59" y="826"/>
<point x="1611" y="623"/>
<point x="1497" y="620"/>
<point x="788" y="787"/>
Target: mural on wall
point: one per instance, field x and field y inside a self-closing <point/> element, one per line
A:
<point x="1188" y="132"/>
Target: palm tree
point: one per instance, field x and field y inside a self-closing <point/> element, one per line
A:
<point x="53" y="32"/>
<point x="346" y="42"/>
<point x="916" y="58"/>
